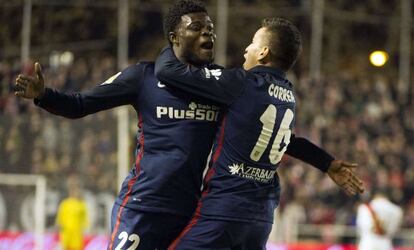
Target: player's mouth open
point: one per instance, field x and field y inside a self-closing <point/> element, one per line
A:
<point x="207" y="45"/>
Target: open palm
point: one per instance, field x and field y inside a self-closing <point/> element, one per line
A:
<point x="343" y="174"/>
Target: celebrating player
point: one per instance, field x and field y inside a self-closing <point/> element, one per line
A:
<point x="241" y="188"/>
<point x="161" y="192"/>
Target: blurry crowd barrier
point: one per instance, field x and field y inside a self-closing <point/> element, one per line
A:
<point x="24" y="241"/>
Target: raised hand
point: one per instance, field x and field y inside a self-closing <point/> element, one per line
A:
<point x="343" y="174"/>
<point x="30" y="86"/>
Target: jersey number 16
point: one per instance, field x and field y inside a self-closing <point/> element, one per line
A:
<point x="268" y="120"/>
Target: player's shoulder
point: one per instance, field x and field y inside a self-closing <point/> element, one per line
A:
<point x="232" y="75"/>
<point x="146" y="64"/>
<point x="215" y="66"/>
<point x="362" y="207"/>
<point x="139" y="67"/>
<point x="136" y="71"/>
<point x="398" y="210"/>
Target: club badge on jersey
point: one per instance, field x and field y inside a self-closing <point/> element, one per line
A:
<point x="212" y="72"/>
<point x="111" y="79"/>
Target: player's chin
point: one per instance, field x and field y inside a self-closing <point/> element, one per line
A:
<point x="246" y="65"/>
<point x="206" y="55"/>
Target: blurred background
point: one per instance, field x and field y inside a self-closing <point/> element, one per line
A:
<point x="355" y="104"/>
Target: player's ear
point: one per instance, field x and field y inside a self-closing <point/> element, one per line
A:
<point x="263" y="53"/>
<point x="173" y="38"/>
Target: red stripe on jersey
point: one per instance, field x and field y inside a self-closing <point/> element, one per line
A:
<point x="220" y="140"/>
<point x="190" y="225"/>
<point x="378" y="227"/>
<point x="141" y="143"/>
<point x="207" y="178"/>
<point x="196" y="215"/>
<point x="121" y="208"/>
<point x="130" y="184"/>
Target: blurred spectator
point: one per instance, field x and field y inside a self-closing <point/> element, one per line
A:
<point x="72" y="217"/>
<point x="377" y="222"/>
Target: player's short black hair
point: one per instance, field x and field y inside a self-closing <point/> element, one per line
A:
<point x="179" y="9"/>
<point x="285" y="42"/>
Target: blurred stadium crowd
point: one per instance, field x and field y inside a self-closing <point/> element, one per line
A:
<point x="355" y="118"/>
<point x="356" y="115"/>
<point x="36" y="142"/>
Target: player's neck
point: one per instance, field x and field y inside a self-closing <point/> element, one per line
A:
<point x="186" y="57"/>
<point x="267" y="63"/>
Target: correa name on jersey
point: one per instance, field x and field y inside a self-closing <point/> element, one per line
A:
<point x="281" y="93"/>
<point x="195" y="111"/>
<point x="257" y="174"/>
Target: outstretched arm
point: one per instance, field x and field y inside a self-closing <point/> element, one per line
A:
<point x="341" y="172"/>
<point x="119" y="90"/>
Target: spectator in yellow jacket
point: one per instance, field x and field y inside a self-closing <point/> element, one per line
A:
<point x="72" y="217"/>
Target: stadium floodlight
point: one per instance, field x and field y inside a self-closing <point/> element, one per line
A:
<point x="66" y="58"/>
<point x="378" y="58"/>
<point x="39" y="182"/>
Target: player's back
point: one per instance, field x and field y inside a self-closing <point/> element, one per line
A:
<point x="389" y="213"/>
<point x="389" y="218"/>
<point x="242" y="183"/>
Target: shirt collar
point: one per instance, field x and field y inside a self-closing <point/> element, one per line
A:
<point x="270" y="70"/>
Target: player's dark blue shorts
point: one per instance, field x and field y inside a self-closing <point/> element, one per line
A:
<point x="207" y="233"/>
<point x="136" y="230"/>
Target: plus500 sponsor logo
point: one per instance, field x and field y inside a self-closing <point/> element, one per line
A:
<point x="195" y="112"/>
